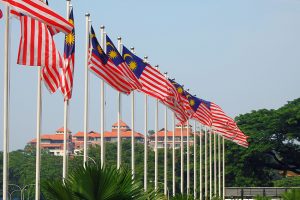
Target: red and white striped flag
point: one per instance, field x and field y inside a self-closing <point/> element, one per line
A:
<point x="41" y="12"/>
<point x="69" y="58"/>
<point x="37" y="48"/>
<point x="226" y="126"/>
<point x="103" y="67"/>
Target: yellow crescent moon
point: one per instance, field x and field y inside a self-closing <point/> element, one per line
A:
<point x="110" y="44"/>
<point x="127" y="55"/>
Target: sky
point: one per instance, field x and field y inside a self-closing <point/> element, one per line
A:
<point x="242" y="55"/>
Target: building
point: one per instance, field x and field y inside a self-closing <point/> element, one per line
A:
<point x="161" y="137"/>
<point x="93" y="138"/>
<point x="54" y="142"/>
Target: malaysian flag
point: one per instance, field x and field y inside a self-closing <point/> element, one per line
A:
<point x="118" y="60"/>
<point x="37" y="48"/>
<point x="69" y="61"/>
<point x="1" y="14"/>
<point x="103" y="67"/>
<point x="153" y="82"/>
<point x="201" y="109"/>
<point x="226" y="126"/>
<point x="40" y="11"/>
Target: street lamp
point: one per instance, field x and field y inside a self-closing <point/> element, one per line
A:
<point x="10" y="194"/>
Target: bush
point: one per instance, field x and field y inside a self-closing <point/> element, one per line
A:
<point x="293" y="194"/>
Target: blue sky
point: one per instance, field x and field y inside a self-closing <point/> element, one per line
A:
<point x="243" y="55"/>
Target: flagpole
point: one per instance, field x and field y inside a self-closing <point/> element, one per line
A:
<point x="102" y="103"/>
<point x="146" y="140"/>
<point x="200" y="162"/>
<point x="155" y="147"/>
<point x="146" y="145"/>
<point x="210" y="164"/>
<point x="173" y="156"/>
<point x="132" y="137"/>
<point x="215" y="165"/>
<point x="195" y="162"/>
<point x="223" y="168"/>
<point x="132" y="131"/>
<point x="86" y="89"/>
<point x="66" y="108"/>
<point x="119" y="156"/>
<point x="181" y="160"/>
<point x="6" y="91"/>
<point x="205" y="163"/>
<point x="38" y="136"/>
<point x="219" y="164"/>
<point x="188" y="157"/>
<point x="165" y="152"/>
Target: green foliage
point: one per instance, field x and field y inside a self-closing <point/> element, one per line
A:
<point x="182" y="197"/>
<point x="262" y="198"/>
<point x="216" y="198"/>
<point x="274" y="146"/>
<point x="288" y="182"/>
<point x="95" y="183"/>
<point x="291" y="194"/>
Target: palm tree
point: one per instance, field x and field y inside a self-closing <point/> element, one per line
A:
<point x="95" y="183"/>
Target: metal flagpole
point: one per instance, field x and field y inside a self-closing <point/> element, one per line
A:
<point x="173" y="156"/>
<point x="86" y="88"/>
<point x="210" y="164"/>
<point x="119" y="116"/>
<point x="102" y="102"/>
<point x="38" y="136"/>
<point x="200" y="162"/>
<point x="188" y="158"/>
<point x="165" y="152"/>
<point x="132" y="132"/>
<point x="66" y="109"/>
<point x="155" y="146"/>
<point x="223" y="168"/>
<point x="195" y="161"/>
<point x="205" y="163"/>
<point x="215" y="165"/>
<point x="181" y="159"/>
<point x="146" y="145"/>
<point x="132" y="137"/>
<point x="6" y="92"/>
<point x="219" y="164"/>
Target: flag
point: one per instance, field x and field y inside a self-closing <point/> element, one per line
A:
<point x="66" y="78"/>
<point x="1" y="14"/>
<point x="37" y="48"/>
<point x="153" y="82"/>
<point x="103" y="67"/>
<point x="40" y="11"/>
<point x="201" y="109"/>
<point x="226" y="126"/>
<point x="118" y="61"/>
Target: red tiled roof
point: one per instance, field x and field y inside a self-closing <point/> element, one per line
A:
<point x="170" y="133"/>
<point x="124" y="134"/>
<point x="50" y="137"/>
<point x="62" y="130"/>
<point x="121" y="123"/>
<point x="90" y="134"/>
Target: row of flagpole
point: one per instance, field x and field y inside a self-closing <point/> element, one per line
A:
<point x="217" y="140"/>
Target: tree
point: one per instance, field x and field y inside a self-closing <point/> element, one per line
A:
<point x="91" y="182"/>
<point x="274" y="145"/>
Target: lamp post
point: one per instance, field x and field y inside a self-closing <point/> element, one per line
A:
<point x="87" y="157"/>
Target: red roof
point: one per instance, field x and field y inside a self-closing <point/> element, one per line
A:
<point x="62" y="129"/>
<point x="121" y="123"/>
<point x="50" y="137"/>
<point x="170" y="134"/>
<point x="90" y="134"/>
